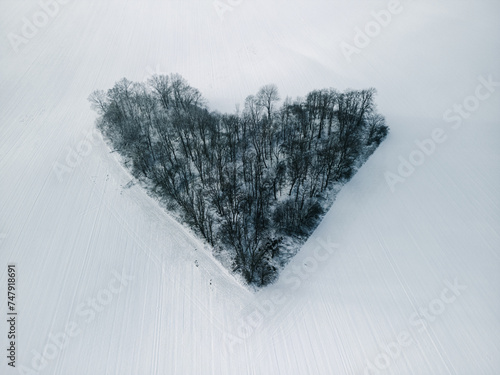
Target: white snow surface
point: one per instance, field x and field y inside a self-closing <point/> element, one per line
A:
<point x="396" y="254"/>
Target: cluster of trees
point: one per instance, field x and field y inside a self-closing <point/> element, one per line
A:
<point x="242" y="181"/>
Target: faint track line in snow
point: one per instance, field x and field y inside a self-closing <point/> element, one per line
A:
<point x="425" y="148"/>
<point x="423" y="317"/>
<point x="38" y="20"/>
<point x="75" y="156"/>
<point x="92" y="307"/>
<point x="150" y="254"/>
<point x="372" y="29"/>
<point x="272" y="306"/>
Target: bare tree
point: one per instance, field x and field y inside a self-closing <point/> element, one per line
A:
<point x="267" y="98"/>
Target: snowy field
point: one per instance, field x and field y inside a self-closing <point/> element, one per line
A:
<point x="399" y="278"/>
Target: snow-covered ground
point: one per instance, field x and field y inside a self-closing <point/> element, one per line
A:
<point x="393" y="281"/>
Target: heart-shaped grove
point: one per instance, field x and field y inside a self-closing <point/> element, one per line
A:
<point x="254" y="184"/>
